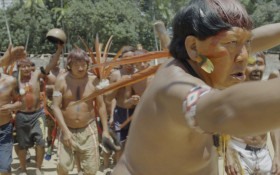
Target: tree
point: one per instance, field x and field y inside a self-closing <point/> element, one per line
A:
<point x="24" y="22"/>
<point x="123" y="20"/>
<point x="267" y="12"/>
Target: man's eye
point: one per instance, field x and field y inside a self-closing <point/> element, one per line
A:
<point x="248" y="42"/>
<point x="231" y="43"/>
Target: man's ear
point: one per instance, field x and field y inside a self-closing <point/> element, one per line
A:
<point x="190" y="45"/>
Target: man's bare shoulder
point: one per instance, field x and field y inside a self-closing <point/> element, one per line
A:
<point x="62" y="76"/>
<point x="173" y="74"/>
<point x="61" y="79"/>
<point x="93" y="78"/>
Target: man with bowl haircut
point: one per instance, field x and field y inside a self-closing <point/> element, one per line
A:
<point x="77" y="121"/>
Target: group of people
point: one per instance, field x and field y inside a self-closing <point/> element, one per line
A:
<point x="198" y="93"/>
<point x="20" y="95"/>
<point x="78" y="137"/>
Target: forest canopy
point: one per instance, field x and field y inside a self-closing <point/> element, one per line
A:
<point x="128" y="21"/>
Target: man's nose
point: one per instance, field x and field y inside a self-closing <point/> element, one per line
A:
<point x="242" y="55"/>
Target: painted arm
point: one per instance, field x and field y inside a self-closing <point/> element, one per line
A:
<point x="265" y="37"/>
<point x="241" y="106"/>
<point x="275" y="138"/>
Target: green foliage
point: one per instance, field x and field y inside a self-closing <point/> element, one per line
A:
<point x="123" y="20"/>
<point x="129" y="21"/>
<point x="77" y="20"/>
<point x="267" y="12"/>
<point x="27" y="24"/>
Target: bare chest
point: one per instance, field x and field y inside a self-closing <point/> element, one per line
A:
<point x="5" y="93"/>
<point x="77" y="91"/>
<point x="140" y="87"/>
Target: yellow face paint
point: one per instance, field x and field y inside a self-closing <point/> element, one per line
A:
<point x="251" y="60"/>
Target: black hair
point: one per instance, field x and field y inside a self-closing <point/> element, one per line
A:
<point x="203" y="19"/>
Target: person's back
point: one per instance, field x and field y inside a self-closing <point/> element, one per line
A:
<point x="155" y="137"/>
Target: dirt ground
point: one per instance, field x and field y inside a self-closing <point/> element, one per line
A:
<point x="49" y="167"/>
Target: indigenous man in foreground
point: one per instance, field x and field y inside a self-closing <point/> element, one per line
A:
<point x="8" y="103"/>
<point x="199" y="93"/>
<point x="30" y="119"/>
<point x="78" y="127"/>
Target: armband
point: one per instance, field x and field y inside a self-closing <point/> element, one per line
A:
<point x="43" y="71"/>
<point x="57" y="94"/>
<point x="189" y="105"/>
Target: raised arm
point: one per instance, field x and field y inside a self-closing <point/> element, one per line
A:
<point x="53" y="61"/>
<point x="241" y="106"/>
<point x="12" y="54"/>
<point x="265" y="37"/>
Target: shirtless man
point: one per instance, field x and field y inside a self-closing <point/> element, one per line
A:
<point x="30" y="120"/>
<point x="125" y="97"/>
<point x="49" y="82"/>
<point x="199" y="93"/>
<point x="8" y="103"/>
<point x="121" y="103"/>
<point x="78" y="127"/>
<point x="252" y="153"/>
<point x="141" y="86"/>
